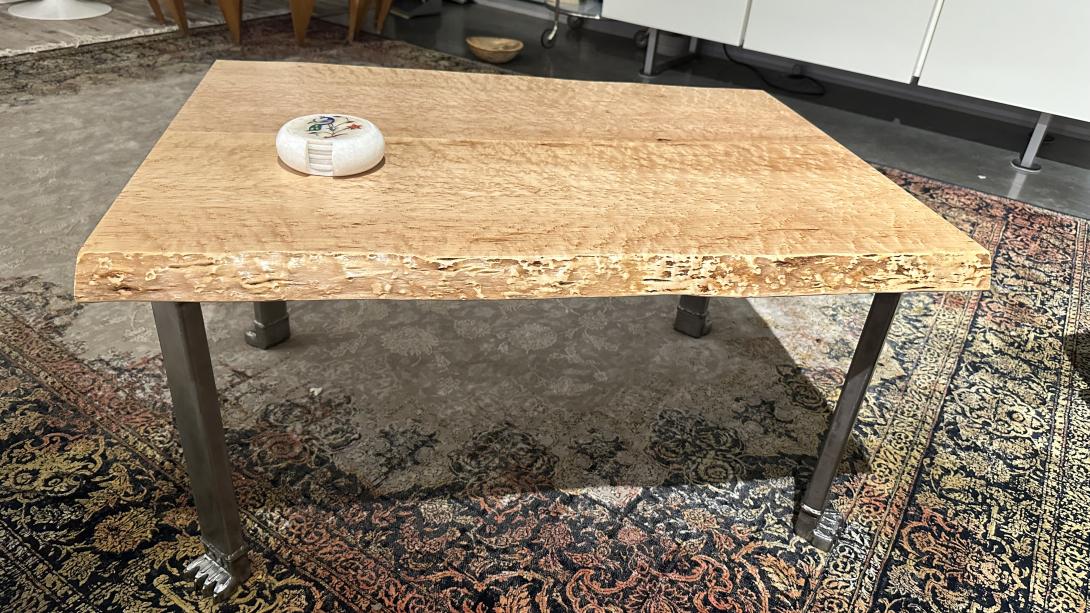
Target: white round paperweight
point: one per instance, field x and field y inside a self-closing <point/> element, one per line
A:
<point x="330" y="145"/>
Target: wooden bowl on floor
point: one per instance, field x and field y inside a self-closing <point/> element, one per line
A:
<point x="494" y="50"/>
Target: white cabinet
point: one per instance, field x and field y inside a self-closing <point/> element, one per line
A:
<point x="717" y="20"/>
<point x="881" y="38"/>
<point x="1029" y="54"/>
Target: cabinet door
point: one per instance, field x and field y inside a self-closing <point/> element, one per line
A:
<point x="1034" y="55"/>
<point x="881" y="38"/>
<point x="717" y="20"/>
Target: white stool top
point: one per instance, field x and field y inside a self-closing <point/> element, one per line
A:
<point x="54" y="10"/>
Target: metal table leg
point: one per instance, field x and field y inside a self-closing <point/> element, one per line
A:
<point x="652" y="67"/>
<point x="692" y="316"/>
<point x="818" y="520"/>
<point x="224" y="564"/>
<point x="1026" y="161"/>
<point x="270" y="326"/>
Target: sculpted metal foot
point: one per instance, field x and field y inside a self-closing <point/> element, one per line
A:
<point x="692" y="316"/>
<point x="818" y="528"/>
<point x="219" y="576"/>
<point x="270" y="326"/>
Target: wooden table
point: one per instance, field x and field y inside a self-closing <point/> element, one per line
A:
<point x="499" y="187"/>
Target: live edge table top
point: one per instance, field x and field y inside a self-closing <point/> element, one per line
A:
<point x="500" y="186"/>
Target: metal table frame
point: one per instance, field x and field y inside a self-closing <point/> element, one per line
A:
<point x="225" y="565"/>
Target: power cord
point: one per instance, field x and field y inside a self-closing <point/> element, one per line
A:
<point x="817" y="90"/>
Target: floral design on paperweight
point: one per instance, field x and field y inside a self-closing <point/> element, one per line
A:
<point x="331" y="126"/>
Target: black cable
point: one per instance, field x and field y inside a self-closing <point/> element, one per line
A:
<point x="819" y="91"/>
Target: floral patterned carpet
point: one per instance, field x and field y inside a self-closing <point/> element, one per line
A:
<point x="526" y="455"/>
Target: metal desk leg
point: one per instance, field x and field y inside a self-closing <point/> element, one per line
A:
<point x="224" y="564"/>
<point x="818" y="520"/>
<point x="652" y="67"/>
<point x="1026" y="161"/>
<point x="692" y="316"/>
<point x="270" y="326"/>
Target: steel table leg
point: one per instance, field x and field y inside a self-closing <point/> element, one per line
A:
<point x="692" y="316"/>
<point x="270" y="326"/>
<point x="224" y="564"/>
<point x="652" y="67"/>
<point x="818" y="520"/>
<point x="1026" y="162"/>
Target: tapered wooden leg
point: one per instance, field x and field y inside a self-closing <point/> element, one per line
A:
<point x="356" y="10"/>
<point x="177" y="10"/>
<point x="232" y="15"/>
<point x="818" y="521"/>
<point x="300" y="18"/>
<point x="270" y="326"/>
<point x="224" y="564"/>
<point x="382" y="10"/>
<point x="157" y="11"/>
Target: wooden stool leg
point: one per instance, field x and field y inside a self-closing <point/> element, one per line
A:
<point x="232" y="14"/>
<point x="157" y="11"/>
<point x="381" y="12"/>
<point x="356" y="10"/>
<point x="177" y="10"/>
<point x="300" y="18"/>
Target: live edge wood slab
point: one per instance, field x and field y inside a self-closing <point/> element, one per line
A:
<point x="510" y="187"/>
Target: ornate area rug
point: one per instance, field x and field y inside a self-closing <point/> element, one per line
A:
<point x="525" y="455"/>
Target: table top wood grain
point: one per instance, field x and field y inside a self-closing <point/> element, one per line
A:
<point x="498" y="186"/>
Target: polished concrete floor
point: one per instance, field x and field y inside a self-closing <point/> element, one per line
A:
<point x="928" y="140"/>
